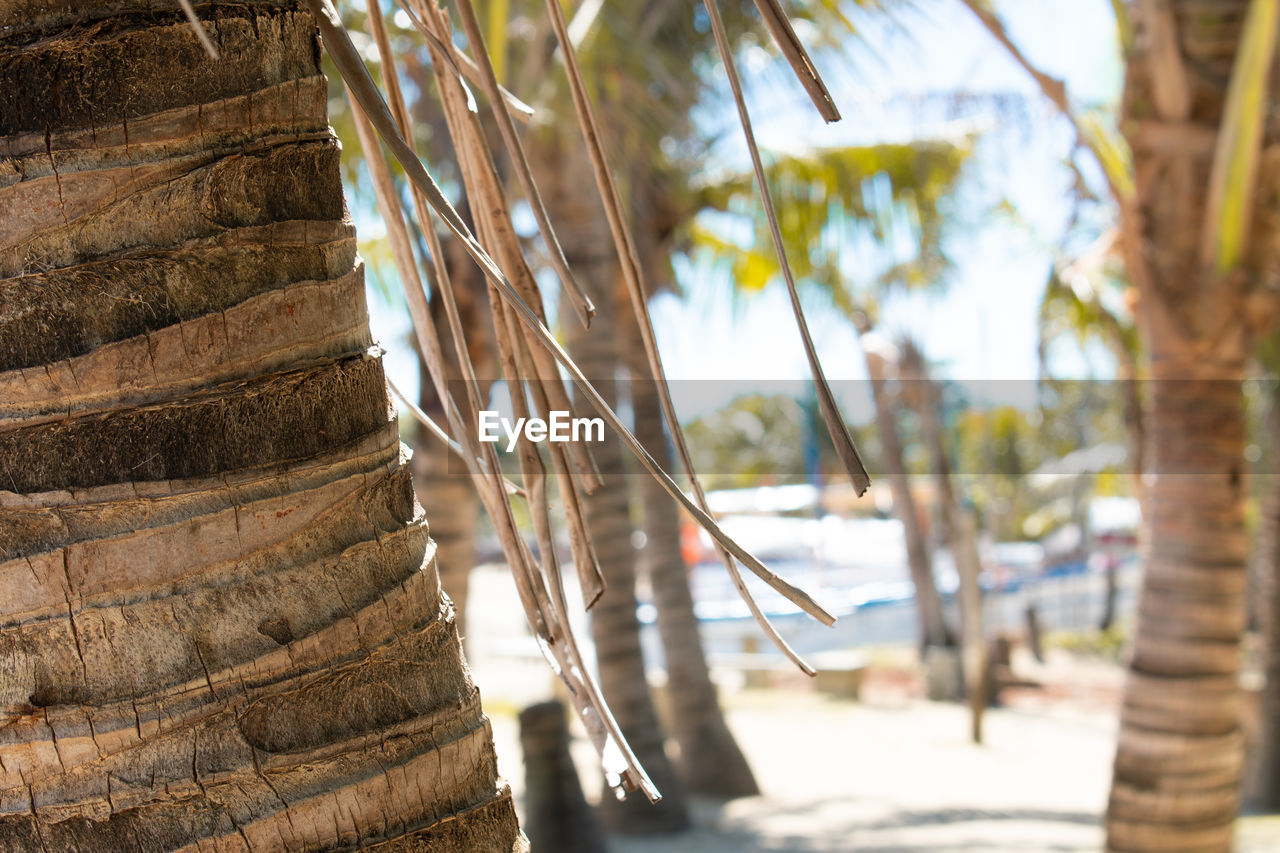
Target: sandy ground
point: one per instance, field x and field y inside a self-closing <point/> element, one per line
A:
<point x="892" y="772"/>
<point x="840" y="775"/>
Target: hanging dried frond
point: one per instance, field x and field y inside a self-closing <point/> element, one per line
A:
<point x="784" y="35"/>
<point x="530" y="355"/>
<point x="637" y="290"/>
<point x="836" y="426"/>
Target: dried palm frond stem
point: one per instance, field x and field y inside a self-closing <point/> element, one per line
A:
<point x="201" y="35"/>
<point x="845" y="447"/>
<point x="545" y="610"/>
<point x="442" y="435"/>
<point x="784" y="35"/>
<point x="637" y="290"/>
<point x="347" y="60"/>
<point x="483" y="72"/>
<point x="530" y="355"/>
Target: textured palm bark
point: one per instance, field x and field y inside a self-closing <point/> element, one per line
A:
<point x="558" y="818"/>
<point x="220" y="615"/>
<point x="711" y="762"/>
<point x="1265" y="766"/>
<point x="933" y="624"/>
<point x="449" y="499"/>
<point x="558" y="164"/>
<point x="1179" y="755"/>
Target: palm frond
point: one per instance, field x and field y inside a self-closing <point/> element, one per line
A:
<point x="527" y="347"/>
<point x="895" y="193"/>
<point x="1239" y="148"/>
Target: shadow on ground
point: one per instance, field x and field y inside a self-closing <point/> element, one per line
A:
<point x="836" y="824"/>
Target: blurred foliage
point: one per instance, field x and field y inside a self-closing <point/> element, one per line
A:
<point x="1091" y="309"/>
<point x="765" y="440"/>
<point x="890" y="194"/>
<point x="756" y="440"/>
<point x="1109" y="645"/>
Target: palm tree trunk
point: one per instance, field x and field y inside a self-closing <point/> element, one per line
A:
<point x="962" y="538"/>
<point x="221" y="623"/>
<point x="1266" y="766"/>
<point x="558" y="818"/>
<point x="447" y="493"/>
<point x="933" y="624"/>
<point x="615" y="627"/>
<point x="711" y="762"/>
<point x="1179" y="755"/>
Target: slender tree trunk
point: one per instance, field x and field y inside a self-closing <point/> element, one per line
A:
<point x="220" y="617"/>
<point x="962" y="538"/>
<point x="711" y="761"/>
<point x="933" y="624"/>
<point x="1179" y="755"/>
<point x="448" y="494"/>
<point x="446" y="488"/>
<point x="615" y="627"/>
<point x="1109" y="597"/>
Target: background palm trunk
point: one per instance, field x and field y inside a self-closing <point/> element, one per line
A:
<point x="711" y="761"/>
<point x="220" y="615"/>
<point x="933" y="625"/>
<point x="1180" y="753"/>
<point x="444" y="485"/>
<point x="615" y="627"/>
<point x="961" y="537"/>
<point x="557" y="817"/>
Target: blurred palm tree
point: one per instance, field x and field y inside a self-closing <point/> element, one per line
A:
<point x="889" y="200"/>
<point x="1082" y="311"/>
<point x="1202" y="251"/>
<point x="1199" y="237"/>
<point x="649" y="127"/>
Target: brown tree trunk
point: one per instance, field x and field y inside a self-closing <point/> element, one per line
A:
<point x="220" y="616"/>
<point x="961" y="537"/>
<point x="1266" y="758"/>
<point x="448" y="495"/>
<point x="933" y="624"/>
<point x="711" y="762"/>
<point x="1179" y="755"/>
<point x="557" y="817"/>
<point x="615" y="627"/>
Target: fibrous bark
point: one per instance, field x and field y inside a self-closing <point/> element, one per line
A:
<point x="1266" y="769"/>
<point x="220" y="614"/>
